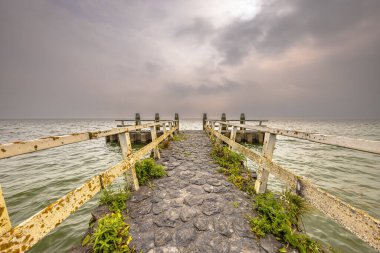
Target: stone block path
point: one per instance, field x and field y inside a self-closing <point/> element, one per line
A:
<point x="194" y="208"/>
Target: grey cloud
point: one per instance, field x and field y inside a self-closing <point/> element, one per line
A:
<point x="211" y="88"/>
<point x="199" y="29"/>
<point x="112" y="58"/>
<point x="284" y="24"/>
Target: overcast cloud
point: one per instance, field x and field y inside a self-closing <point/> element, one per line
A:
<point x="270" y="59"/>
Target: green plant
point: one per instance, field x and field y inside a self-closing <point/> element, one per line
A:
<point x="280" y="217"/>
<point x="116" y="200"/>
<point x="232" y="165"/>
<point x="164" y="144"/>
<point x="236" y="204"/>
<point x="148" y="169"/>
<point x="112" y="235"/>
<point x="179" y="137"/>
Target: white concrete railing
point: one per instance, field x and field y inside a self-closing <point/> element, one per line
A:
<point x="355" y="220"/>
<point x="30" y="231"/>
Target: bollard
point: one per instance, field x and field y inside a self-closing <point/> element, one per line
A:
<point x="204" y="120"/>
<point x="176" y="117"/>
<point x="242" y="120"/>
<point x="157" y="119"/>
<point x="224" y="127"/>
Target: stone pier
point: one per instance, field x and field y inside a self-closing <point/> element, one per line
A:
<point x="194" y="208"/>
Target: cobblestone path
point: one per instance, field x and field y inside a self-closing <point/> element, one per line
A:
<point x="194" y="208"/>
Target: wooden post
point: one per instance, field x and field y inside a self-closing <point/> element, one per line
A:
<point x="157" y="119"/>
<point x="156" y="151"/>
<point x="204" y="120"/>
<point x="233" y="134"/>
<point x="5" y="222"/>
<point x="176" y="117"/>
<point x="170" y="128"/>
<point x="242" y="120"/>
<point x="126" y="150"/>
<point x="213" y="125"/>
<point x="224" y="127"/>
<point x="263" y="173"/>
<point x="219" y="131"/>
<point x="164" y="128"/>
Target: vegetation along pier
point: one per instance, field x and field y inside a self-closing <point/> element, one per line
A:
<point x="195" y="193"/>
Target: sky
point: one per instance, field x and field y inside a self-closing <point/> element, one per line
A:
<point x="271" y="59"/>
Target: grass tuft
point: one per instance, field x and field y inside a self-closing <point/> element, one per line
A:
<point x="280" y="217"/>
<point x="164" y="144"/>
<point x="147" y="170"/>
<point x="116" y="200"/>
<point x="232" y="165"/>
<point x="179" y="137"/>
<point x="112" y="235"/>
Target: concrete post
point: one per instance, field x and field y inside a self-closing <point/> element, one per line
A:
<point x="263" y="173"/>
<point x="224" y="119"/>
<point x="176" y="117"/>
<point x="242" y="120"/>
<point x="204" y="120"/>
<point x="137" y="120"/>
<point x="157" y="119"/>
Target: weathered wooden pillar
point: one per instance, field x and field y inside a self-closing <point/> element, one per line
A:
<point x="157" y="119"/>
<point x="204" y="120"/>
<point x="126" y="150"/>
<point x="263" y="173"/>
<point x="176" y="117"/>
<point x="212" y="125"/>
<point x="219" y="131"/>
<point x="5" y="222"/>
<point x="170" y="128"/>
<point x="223" y="119"/>
<point x="242" y="120"/>
<point x="156" y="151"/>
<point x="164" y="128"/>
<point x="233" y="134"/>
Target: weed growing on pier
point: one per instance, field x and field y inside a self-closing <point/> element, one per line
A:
<point x="179" y="137"/>
<point x="165" y="144"/>
<point x="280" y="216"/>
<point x="232" y="165"/>
<point x="148" y="169"/>
<point x="112" y="235"/>
<point x="116" y="200"/>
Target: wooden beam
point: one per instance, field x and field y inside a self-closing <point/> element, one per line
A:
<point x="339" y="141"/>
<point x="24" y="147"/>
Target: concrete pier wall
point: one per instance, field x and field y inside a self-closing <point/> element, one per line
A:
<point x="242" y="136"/>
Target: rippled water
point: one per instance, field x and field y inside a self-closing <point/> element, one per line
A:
<point x="32" y="181"/>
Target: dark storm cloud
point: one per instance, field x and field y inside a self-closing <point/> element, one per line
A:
<point x="284" y="24"/>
